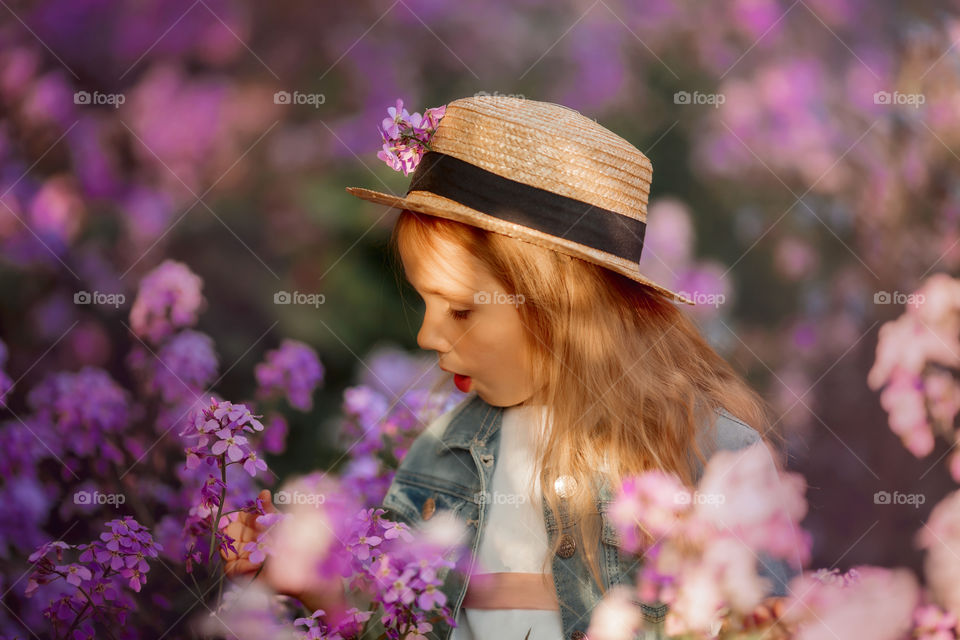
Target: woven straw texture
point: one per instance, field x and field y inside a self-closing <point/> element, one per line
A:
<point x="547" y="146"/>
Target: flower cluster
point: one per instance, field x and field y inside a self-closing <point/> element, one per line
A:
<point x="406" y="137"/>
<point x="918" y="365"/>
<point x="169" y="298"/>
<point x="187" y="363"/>
<point x="95" y="592"/>
<point x="316" y="627"/>
<point x="940" y="538"/>
<point x="822" y="606"/>
<point x="220" y="430"/>
<point x="87" y="409"/>
<point x="327" y="536"/>
<point x="405" y="573"/>
<point x="379" y="430"/>
<point x="294" y="370"/>
<point x="701" y="549"/>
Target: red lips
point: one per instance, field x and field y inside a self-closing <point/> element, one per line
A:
<point x="462" y="382"/>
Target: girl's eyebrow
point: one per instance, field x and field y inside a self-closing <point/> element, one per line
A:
<point x="447" y="294"/>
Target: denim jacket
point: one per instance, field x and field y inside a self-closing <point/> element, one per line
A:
<point x="452" y="470"/>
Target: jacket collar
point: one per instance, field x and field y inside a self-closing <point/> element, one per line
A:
<point x="462" y="432"/>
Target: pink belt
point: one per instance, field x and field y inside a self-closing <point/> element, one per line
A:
<point x="511" y="591"/>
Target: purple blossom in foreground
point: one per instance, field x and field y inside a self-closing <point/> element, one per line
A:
<point x="219" y="431"/>
<point x="169" y="298"/>
<point x="316" y="628"/>
<point x="220" y="435"/>
<point x="96" y="582"/>
<point x="406" y="137"/>
<point x="294" y="370"/>
<point x="324" y="535"/>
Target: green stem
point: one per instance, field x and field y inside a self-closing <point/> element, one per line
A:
<point x="223" y="496"/>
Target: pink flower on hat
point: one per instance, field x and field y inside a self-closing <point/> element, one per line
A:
<point x="406" y="137"/>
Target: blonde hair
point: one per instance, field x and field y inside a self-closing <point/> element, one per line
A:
<point x="627" y="375"/>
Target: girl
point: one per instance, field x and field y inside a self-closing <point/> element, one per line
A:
<point x="522" y="231"/>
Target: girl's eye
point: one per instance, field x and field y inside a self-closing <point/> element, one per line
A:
<point x="459" y="314"/>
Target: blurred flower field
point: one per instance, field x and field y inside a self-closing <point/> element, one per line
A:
<point x="193" y="309"/>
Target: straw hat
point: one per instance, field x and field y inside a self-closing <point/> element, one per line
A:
<point x="539" y="172"/>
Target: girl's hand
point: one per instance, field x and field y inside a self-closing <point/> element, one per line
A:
<point x="244" y="529"/>
<point x="327" y="595"/>
<point x="767" y="613"/>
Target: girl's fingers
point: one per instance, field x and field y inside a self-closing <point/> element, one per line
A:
<point x="241" y="567"/>
<point x="267" y="501"/>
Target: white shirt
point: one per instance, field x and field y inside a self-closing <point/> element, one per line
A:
<point x="514" y="538"/>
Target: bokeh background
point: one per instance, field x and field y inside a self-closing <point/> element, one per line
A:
<point x="806" y="180"/>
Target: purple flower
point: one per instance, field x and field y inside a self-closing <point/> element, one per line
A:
<point x="275" y="434"/>
<point x="230" y="443"/>
<point x="431" y="597"/>
<point x="399" y="589"/>
<point x="252" y="463"/>
<point x="76" y="573"/>
<point x="258" y="550"/>
<point x="406" y="137"/>
<point x="223" y="423"/>
<point x="293" y="369"/>
<point x="85" y="408"/>
<point x="169" y="298"/>
<point x="187" y="364"/>
<point x="363" y="545"/>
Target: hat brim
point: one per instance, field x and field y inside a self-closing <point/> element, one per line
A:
<point x="434" y="205"/>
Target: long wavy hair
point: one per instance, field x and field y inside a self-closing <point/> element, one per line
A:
<point x="629" y="379"/>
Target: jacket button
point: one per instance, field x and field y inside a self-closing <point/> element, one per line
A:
<point x="578" y="635"/>
<point x="429" y="506"/>
<point x="567" y="546"/>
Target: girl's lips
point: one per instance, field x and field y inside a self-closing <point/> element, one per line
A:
<point x="462" y="382"/>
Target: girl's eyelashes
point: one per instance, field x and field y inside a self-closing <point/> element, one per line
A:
<point x="459" y="314"/>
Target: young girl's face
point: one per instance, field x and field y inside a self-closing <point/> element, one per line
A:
<point x="472" y="324"/>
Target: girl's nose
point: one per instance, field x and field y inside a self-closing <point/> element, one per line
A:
<point x="430" y="337"/>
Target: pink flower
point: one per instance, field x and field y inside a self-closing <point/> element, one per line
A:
<point x="933" y="623"/>
<point x="940" y="537"/>
<point x="169" y="298"/>
<point x="879" y="605"/>
<point x="653" y="501"/>
<point x="406" y="137"/>
<point x="742" y="491"/>
<point x="903" y="400"/>
<point x="616" y="617"/>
